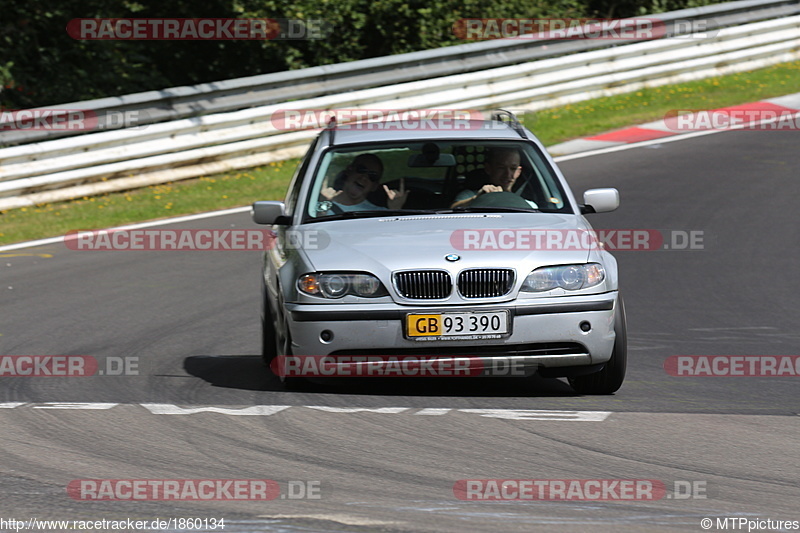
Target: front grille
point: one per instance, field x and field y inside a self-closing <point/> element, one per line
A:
<point x="423" y="284"/>
<point x="485" y="282"/>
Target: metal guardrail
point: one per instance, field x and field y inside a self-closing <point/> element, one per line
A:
<point x="181" y="102"/>
<point x="209" y="128"/>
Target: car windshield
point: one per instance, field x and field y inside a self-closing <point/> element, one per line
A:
<point x="433" y="177"/>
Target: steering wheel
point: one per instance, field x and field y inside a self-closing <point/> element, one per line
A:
<point x="500" y="199"/>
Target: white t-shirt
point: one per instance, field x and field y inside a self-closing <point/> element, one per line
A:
<point x="366" y="205"/>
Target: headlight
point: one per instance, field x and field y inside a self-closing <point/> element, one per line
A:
<point x="569" y="277"/>
<point x="337" y="285"/>
<point x="333" y="285"/>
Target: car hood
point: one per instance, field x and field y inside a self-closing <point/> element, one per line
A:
<point x="392" y="243"/>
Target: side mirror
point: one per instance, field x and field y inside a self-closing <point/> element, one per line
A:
<point x="269" y="213"/>
<point x="600" y="201"/>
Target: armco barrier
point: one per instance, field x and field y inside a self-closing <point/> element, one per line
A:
<point x="227" y="125"/>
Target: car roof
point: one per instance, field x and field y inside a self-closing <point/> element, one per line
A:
<point x="391" y="131"/>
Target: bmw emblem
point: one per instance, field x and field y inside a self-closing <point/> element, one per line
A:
<point x="452" y="257"/>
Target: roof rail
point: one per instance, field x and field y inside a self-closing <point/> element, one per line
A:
<point x="502" y="115"/>
<point x="331" y="127"/>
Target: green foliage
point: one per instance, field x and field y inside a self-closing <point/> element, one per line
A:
<point x="269" y="182"/>
<point x="632" y="8"/>
<point x="40" y="64"/>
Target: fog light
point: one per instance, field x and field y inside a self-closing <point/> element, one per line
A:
<point x="326" y="336"/>
<point x="585" y="327"/>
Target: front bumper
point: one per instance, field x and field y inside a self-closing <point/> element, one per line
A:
<point x="545" y="332"/>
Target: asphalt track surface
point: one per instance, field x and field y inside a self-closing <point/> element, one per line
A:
<point x="192" y="320"/>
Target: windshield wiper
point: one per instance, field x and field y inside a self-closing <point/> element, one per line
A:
<point x="377" y="213"/>
<point x="488" y="209"/>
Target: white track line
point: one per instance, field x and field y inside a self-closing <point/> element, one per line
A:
<point x="151" y="223"/>
<point x="664" y="140"/>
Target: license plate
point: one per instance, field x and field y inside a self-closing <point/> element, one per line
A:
<point x="457" y="325"/>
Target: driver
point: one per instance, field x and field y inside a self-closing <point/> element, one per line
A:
<point x="499" y="173"/>
<point x="358" y="180"/>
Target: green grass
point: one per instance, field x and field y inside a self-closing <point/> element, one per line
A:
<point x="559" y="124"/>
<point x="154" y="202"/>
<point x="269" y="182"/>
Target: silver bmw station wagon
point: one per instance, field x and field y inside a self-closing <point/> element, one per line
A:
<point x="445" y="243"/>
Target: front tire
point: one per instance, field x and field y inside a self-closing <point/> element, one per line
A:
<point x="269" y="344"/>
<point x="610" y="378"/>
<point x="273" y="345"/>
